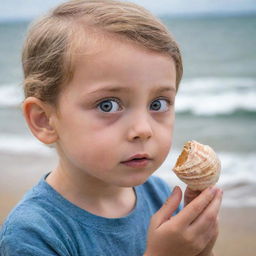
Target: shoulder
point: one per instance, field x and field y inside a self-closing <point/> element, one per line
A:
<point x="30" y="229"/>
<point x="34" y="210"/>
<point x="23" y="232"/>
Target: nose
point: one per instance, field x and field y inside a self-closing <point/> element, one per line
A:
<point x="140" y="128"/>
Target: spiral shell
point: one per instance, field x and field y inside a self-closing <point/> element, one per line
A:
<point x="198" y="166"/>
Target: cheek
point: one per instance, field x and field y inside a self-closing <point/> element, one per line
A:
<point x="166" y="144"/>
<point x="91" y="156"/>
<point x="97" y="149"/>
<point x="165" y="135"/>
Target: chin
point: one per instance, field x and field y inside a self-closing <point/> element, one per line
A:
<point x="133" y="182"/>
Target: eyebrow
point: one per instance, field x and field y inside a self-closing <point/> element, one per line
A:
<point x="110" y="89"/>
<point x="165" y="88"/>
<point x="126" y="89"/>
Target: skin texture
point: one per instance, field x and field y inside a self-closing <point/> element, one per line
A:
<point x="137" y="87"/>
<point x="189" y="196"/>
<point x="91" y="143"/>
<point x="191" y="232"/>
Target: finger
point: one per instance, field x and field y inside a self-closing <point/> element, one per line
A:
<point x="190" y="195"/>
<point x="208" y="241"/>
<point x="196" y="207"/>
<point x="209" y="248"/>
<point x="169" y="207"/>
<point x="209" y="216"/>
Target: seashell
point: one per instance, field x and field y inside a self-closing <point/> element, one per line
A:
<point x="198" y="166"/>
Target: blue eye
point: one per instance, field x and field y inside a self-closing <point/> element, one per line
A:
<point x="109" y="106"/>
<point x="160" y="105"/>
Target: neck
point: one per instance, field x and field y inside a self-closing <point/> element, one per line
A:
<point x="91" y="194"/>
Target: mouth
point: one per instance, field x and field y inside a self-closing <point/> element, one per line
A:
<point x="138" y="160"/>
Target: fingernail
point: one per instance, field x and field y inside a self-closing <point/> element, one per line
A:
<point x="174" y="190"/>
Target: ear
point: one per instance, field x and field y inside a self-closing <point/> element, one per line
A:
<point x="39" y="117"/>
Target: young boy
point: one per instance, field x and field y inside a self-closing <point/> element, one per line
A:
<point x="100" y="85"/>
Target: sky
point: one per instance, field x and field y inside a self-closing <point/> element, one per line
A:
<point x="28" y="9"/>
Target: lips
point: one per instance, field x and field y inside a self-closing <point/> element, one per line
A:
<point x="138" y="160"/>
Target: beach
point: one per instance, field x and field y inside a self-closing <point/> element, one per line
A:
<point x="18" y="174"/>
<point x="237" y="235"/>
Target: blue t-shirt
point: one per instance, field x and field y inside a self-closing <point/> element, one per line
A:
<point x="44" y="223"/>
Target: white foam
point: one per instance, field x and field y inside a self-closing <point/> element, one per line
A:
<point x="237" y="178"/>
<point x="11" y="95"/>
<point x="225" y="103"/>
<point x="236" y="168"/>
<point x="214" y="96"/>
<point x="199" y="96"/>
<point x="216" y="84"/>
<point x="16" y="144"/>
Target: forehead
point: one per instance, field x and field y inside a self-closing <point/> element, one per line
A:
<point x="106" y="61"/>
<point x="109" y="53"/>
<point x="110" y="66"/>
<point x="89" y="41"/>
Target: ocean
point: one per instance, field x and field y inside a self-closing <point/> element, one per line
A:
<point x="215" y="105"/>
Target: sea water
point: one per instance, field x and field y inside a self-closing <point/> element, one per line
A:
<point x="215" y="105"/>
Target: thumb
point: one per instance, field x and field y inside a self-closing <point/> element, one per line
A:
<point x="168" y="208"/>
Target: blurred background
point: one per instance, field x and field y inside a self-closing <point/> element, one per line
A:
<point x="216" y="104"/>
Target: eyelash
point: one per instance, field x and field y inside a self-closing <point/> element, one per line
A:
<point x="119" y="101"/>
<point x="164" y="98"/>
<point x="169" y="103"/>
<point x="107" y="99"/>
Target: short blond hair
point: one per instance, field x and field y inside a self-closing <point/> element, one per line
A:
<point x="48" y="59"/>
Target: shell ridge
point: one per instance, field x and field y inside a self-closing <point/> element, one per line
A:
<point x="201" y="167"/>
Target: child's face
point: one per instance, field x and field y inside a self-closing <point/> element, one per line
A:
<point x="120" y="103"/>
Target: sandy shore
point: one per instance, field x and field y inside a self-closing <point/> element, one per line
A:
<point x="19" y="173"/>
<point x="237" y="232"/>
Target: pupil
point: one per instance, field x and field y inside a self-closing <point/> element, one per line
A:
<point x="106" y="106"/>
<point x="156" y="105"/>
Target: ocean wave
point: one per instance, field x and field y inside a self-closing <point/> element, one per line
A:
<point x="210" y="105"/>
<point x="217" y="84"/>
<point x="217" y="96"/>
<point x="11" y="95"/>
<point x="237" y="178"/>
<point x="16" y="144"/>
<point x="197" y="96"/>
<point x="237" y="167"/>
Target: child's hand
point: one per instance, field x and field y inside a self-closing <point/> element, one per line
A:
<point x="191" y="231"/>
<point x="189" y="196"/>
